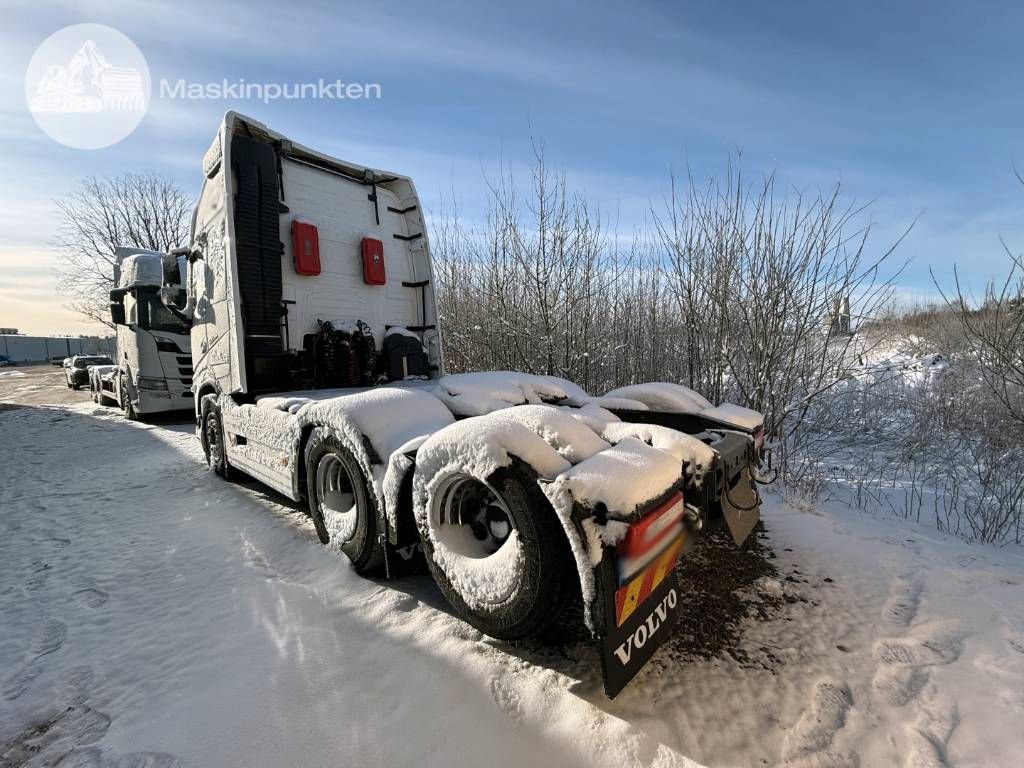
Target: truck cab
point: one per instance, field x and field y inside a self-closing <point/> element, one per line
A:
<point x="154" y="362"/>
<point x="285" y="240"/>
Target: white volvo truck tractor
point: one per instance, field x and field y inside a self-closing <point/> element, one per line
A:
<point x="319" y="371"/>
<point x="154" y="354"/>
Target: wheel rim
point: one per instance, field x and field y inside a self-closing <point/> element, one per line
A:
<point x="336" y="493"/>
<point x="477" y="515"/>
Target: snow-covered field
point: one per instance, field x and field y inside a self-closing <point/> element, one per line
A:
<point x="153" y="615"/>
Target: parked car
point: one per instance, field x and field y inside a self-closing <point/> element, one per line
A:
<point x="76" y="372"/>
<point x="5" y="361"/>
<point x="58" y="360"/>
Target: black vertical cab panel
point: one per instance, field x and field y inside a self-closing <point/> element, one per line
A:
<point x="258" y="251"/>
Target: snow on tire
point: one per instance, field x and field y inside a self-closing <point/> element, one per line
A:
<point x="340" y="503"/>
<point x="497" y="550"/>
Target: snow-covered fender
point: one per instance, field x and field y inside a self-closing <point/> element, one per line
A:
<point x="382" y="428"/>
<point x="735" y="433"/>
<point x="544" y="438"/>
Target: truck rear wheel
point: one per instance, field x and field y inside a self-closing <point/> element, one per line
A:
<point x="497" y="551"/>
<point x="340" y="503"/>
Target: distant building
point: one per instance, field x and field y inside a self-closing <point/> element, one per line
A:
<point x="8" y="331"/>
<point x="38" y="349"/>
<point x="837" y="323"/>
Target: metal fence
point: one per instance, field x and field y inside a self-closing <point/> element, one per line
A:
<point x="38" y="349"/>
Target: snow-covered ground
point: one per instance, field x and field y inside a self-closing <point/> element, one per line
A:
<point x="151" y="614"/>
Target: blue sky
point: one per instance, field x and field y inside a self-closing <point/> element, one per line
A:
<point x="913" y="105"/>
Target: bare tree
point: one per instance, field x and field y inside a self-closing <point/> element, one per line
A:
<point x="995" y="333"/>
<point x="727" y="295"/>
<point x="756" y="277"/>
<point x="138" y="211"/>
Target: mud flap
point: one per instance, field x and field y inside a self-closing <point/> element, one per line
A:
<point x="637" y="616"/>
<point x="741" y="507"/>
<point x="403" y="553"/>
<point x="404" y="560"/>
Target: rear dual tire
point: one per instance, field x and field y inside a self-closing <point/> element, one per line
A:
<point x="466" y="526"/>
<point x="342" y="507"/>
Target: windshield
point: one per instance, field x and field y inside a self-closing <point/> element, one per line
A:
<point x="154" y="316"/>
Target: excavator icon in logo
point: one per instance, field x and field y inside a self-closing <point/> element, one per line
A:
<point x="87" y="86"/>
<point x="89" y="83"/>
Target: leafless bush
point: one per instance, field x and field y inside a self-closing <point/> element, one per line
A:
<point x="102" y="214"/>
<point x="757" y="277"/>
<point x="995" y="333"/>
<point x="544" y="286"/>
<point x="933" y="450"/>
<point x="732" y="293"/>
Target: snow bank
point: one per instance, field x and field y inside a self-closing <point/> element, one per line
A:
<point x="12" y="373"/>
<point x="908" y="367"/>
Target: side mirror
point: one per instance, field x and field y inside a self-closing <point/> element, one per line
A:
<point x="117" y="313"/>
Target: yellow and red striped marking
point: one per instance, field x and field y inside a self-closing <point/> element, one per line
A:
<point x="629" y="596"/>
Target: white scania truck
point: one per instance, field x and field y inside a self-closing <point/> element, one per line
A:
<point x="318" y="370"/>
<point x="153" y="372"/>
